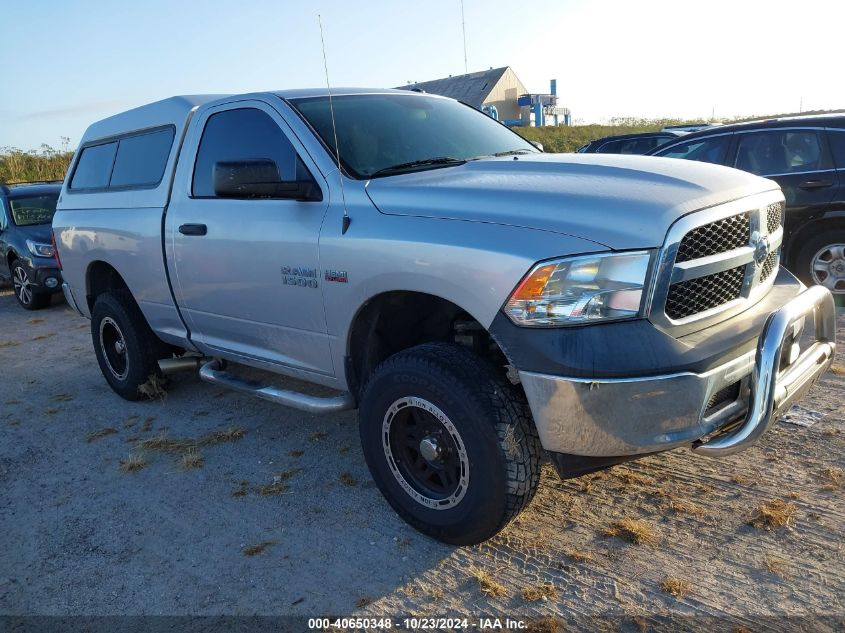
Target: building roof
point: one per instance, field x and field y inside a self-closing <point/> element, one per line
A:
<point x="472" y="88"/>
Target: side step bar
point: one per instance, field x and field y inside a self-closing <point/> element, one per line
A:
<point x="210" y="372"/>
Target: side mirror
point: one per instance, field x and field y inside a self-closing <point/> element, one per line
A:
<point x="537" y="144"/>
<point x="259" y="178"/>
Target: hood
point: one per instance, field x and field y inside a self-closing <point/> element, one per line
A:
<point x="37" y="233"/>
<point x="621" y="202"/>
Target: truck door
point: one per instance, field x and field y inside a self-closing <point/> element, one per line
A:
<point x="246" y="271"/>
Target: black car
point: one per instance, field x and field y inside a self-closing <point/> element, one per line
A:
<point x="806" y="156"/>
<point x="26" y="242"/>
<point x="639" y="143"/>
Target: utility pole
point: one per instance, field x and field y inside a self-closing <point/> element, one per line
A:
<point x="464" y="28"/>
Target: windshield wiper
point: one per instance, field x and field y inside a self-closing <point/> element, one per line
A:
<point x="426" y="162"/>
<point x="513" y="152"/>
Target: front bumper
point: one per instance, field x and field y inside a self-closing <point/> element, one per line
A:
<point x="618" y="417"/>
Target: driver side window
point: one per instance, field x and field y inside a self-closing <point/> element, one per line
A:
<point x="243" y="134"/>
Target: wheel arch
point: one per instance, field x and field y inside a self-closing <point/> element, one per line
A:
<point x="394" y="320"/>
<point x="100" y="277"/>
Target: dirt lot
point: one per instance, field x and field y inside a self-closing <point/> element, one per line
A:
<point x="208" y="502"/>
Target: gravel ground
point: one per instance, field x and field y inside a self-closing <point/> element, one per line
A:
<point x="273" y="512"/>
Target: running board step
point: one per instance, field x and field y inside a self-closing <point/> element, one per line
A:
<point x="210" y="372"/>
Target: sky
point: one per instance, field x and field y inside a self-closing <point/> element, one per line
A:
<point x="69" y="64"/>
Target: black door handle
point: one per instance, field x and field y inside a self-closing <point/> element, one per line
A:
<point x="193" y="229"/>
<point x="815" y="184"/>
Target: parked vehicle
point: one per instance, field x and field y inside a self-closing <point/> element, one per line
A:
<point x="806" y="157"/>
<point x="639" y="143"/>
<point x="26" y="242"/>
<point x="482" y="304"/>
<point x="690" y="127"/>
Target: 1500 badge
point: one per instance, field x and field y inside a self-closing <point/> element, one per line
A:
<point x="299" y="276"/>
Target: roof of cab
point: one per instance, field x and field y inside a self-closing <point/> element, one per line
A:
<point x="175" y="110"/>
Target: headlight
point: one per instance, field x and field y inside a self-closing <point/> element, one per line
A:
<point x="39" y="249"/>
<point x="574" y="290"/>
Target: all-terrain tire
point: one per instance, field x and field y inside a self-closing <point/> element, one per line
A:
<point x="502" y="452"/>
<point x="127" y="349"/>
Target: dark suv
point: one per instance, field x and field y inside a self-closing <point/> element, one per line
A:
<point x="26" y="247"/>
<point x="806" y="156"/>
<point x="638" y="143"/>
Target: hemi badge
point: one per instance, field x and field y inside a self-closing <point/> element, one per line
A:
<point x="337" y="275"/>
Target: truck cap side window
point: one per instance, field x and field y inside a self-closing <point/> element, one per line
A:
<point x="94" y="167"/>
<point x="134" y="160"/>
<point x="243" y="134"/>
<point x="141" y="159"/>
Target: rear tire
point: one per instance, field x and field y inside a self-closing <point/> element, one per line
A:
<point x="449" y="442"/>
<point x="25" y="293"/>
<point x="127" y="349"/>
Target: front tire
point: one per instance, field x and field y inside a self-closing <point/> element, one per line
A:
<point x="821" y="259"/>
<point x="449" y="442"/>
<point x="25" y="292"/>
<point x="127" y="350"/>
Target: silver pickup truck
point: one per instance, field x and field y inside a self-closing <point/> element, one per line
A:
<point x="484" y="305"/>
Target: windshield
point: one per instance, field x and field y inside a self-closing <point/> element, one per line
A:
<point x="378" y="132"/>
<point x="31" y="210"/>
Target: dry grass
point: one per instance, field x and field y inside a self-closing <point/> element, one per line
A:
<point x="777" y="566"/>
<point x="363" y="602"/>
<point x="133" y="463"/>
<point x="489" y="586"/>
<point x="148" y="425"/>
<point x="839" y="370"/>
<point x="166" y="444"/>
<point x="742" y="480"/>
<point x="832" y="477"/>
<point x="634" y="531"/>
<point x="153" y="388"/>
<point x="676" y="587"/>
<point x="348" y="480"/>
<point x="579" y="557"/>
<point x="35" y="321"/>
<point x="232" y="434"/>
<point x="539" y="592"/>
<point x="316" y="436"/>
<point x="4" y="344"/>
<point x="62" y="397"/>
<point x="242" y="490"/>
<point x="296" y="453"/>
<point x="774" y="514"/>
<point x="681" y="506"/>
<point x="191" y="458"/>
<point x="258" y="548"/>
<point x="41" y="337"/>
<point x="279" y="484"/>
<point x="96" y="435"/>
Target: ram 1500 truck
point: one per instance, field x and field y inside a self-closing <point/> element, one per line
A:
<point x="484" y="305"/>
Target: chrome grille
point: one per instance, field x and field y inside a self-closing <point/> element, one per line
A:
<point x="704" y="293"/>
<point x="715" y="237"/>
<point x="716" y="262"/>
<point x="769" y="265"/>
<point x="774" y="216"/>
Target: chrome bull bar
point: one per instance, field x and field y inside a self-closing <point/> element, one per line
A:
<point x="773" y="391"/>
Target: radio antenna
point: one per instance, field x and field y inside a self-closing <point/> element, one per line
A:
<point x="346" y="219"/>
